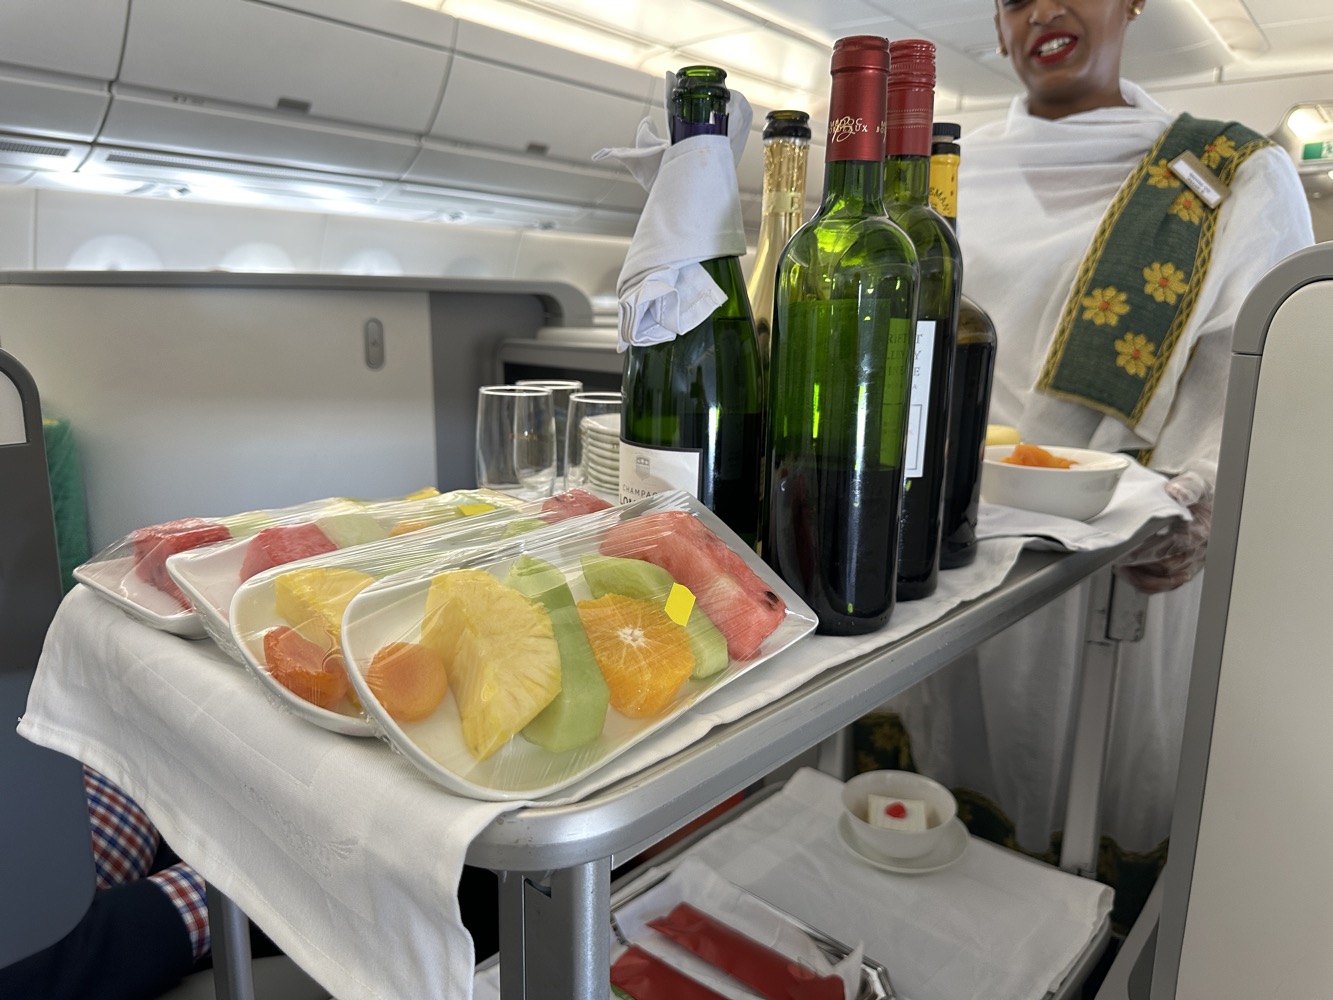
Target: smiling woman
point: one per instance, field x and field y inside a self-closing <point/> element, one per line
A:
<point x="1067" y="54"/>
<point x="1112" y="242"/>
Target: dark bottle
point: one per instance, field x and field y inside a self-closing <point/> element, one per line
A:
<point x="973" y="373"/>
<point x="842" y="345"/>
<point x="911" y="101"/>
<point x="692" y="410"/>
<point x="786" y="155"/>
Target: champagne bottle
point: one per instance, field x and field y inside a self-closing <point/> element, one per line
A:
<point x="692" y="410"/>
<point x="843" y="328"/>
<point x="973" y="372"/>
<point x="911" y="100"/>
<point x="786" y="154"/>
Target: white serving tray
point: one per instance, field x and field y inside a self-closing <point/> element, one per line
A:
<point x="391" y="611"/>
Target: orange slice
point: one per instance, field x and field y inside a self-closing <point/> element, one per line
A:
<point x="644" y="655"/>
<point x="408" y="679"/>
<point x="1037" y="457"/>
<point x="305" y="668"/>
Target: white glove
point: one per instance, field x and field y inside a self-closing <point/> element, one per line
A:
<point x="1174" y="555"/>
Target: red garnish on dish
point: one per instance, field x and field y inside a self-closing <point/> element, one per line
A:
<point x="896" y="810"/>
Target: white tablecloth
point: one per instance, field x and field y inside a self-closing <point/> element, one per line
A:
<point x="346" y="855"/>
<point x="994" y="926"/>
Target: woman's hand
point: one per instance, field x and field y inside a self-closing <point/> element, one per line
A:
<point x="1175" y="554"/>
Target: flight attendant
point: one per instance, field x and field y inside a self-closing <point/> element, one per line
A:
<point x="1114" y="286"/>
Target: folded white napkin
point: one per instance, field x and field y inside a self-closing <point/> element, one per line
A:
<point x="693" y="213"/>
<point x="1140" y="497"/>
<point x="695" y="883"/>
<point x="994" y="926"/>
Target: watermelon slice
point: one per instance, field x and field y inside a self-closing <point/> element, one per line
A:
<point x="153" y="544"/>
<point x="571" y="503"/>
<point x="283" y="543"/>
<point x="733" y="597"/>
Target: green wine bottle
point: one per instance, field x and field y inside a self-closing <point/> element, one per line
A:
<point x="692" y="415"/>
<point x="843" y="330"/>
<point x="907" y="199"/>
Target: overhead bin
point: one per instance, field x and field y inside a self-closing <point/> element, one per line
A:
<point x="57" y="58"/>
<point x="454" y="165"/>
<point x="50" y="105"/>
<point x="149" y="120"/>
<point x="519" y="95"/>
<point x="78" y="38"/>
<point x="256" y="55"/>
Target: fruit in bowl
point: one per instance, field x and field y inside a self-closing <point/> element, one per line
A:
<point x="1076" y="483"/>
<point x="896" y="814"/>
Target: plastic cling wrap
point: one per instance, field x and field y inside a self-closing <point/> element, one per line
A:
<point x="562" y="650"/>
<point x="132" y="572"/>
<point x="209" y="577"/>
<point x="285" y="623"/>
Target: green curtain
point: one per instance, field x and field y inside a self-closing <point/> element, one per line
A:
<point x="67" y="499"/>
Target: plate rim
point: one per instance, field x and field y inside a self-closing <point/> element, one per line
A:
<point x="908" y="866"/>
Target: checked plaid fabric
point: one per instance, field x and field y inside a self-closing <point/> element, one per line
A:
<point x="125" y="843"/>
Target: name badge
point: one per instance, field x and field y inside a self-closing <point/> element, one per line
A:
<point x="1199" y="179"/>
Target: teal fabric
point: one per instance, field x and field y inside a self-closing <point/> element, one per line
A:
<point x="67" y="498"/>
<point x="1137" y="286"/>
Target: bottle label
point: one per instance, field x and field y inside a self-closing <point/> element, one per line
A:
<point x="645" y="472"/>
<point x="918" y="414"/>
<point x="944" y="184"/>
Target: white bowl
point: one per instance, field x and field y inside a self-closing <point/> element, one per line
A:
<point x="875" y="841"/>
<point x="1079" y="492"/>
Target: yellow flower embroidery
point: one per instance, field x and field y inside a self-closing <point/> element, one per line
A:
<point x="1160" y="175"/>
<point x="1105" y="305"/>
<point x="1163" y="282"/>
<point x="1218" y="150"/>
<point x="1188" y="207"/>
<point x="1135" y="354"/>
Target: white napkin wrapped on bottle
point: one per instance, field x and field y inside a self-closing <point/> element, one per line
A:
<point x="693" y="213"/>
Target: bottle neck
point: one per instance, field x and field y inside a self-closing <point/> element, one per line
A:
<point x="854" y="153"/>
<point x="853" y="187"/>
<point x="785" y="163"/>
<point x="907" y="179"/>
<point x="944" y="182"/>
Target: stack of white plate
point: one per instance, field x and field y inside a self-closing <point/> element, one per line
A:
<point x="601" y="452"/>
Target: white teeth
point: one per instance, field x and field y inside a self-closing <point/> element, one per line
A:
<point x="1054" y="45"/>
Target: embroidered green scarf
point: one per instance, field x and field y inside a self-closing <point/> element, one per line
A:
<point x="1138" y="283"/>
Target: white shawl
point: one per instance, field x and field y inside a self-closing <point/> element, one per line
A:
<point x="1032" y="193"/>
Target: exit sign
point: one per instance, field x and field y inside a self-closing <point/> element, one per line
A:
<point x="1317" y="151"/>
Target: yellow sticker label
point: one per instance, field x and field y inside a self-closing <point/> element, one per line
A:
<point x="423" y="493"/>
<point x="679" y="604"/>
<point x="468" y="509"/>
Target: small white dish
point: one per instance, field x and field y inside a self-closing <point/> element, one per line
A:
<point x="952" y="846"/>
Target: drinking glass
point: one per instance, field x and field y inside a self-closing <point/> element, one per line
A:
<point x="516" y="443"/>
<point x="592" y="444"/>
<point x="561" y="390"/>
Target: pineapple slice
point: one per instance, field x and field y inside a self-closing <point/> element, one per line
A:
<point x="500" y="652"/>
<point x="313" y="600"/>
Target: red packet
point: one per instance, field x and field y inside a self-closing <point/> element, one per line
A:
<point x="769" y="972"/>
<point x="645" y="977"/>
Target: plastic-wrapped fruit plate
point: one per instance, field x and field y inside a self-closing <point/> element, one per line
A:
<point x="303" y="673"/>
<point x="563" y="649"/>
<point x="210" y="576"/>
<point x="132" y="574"/>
